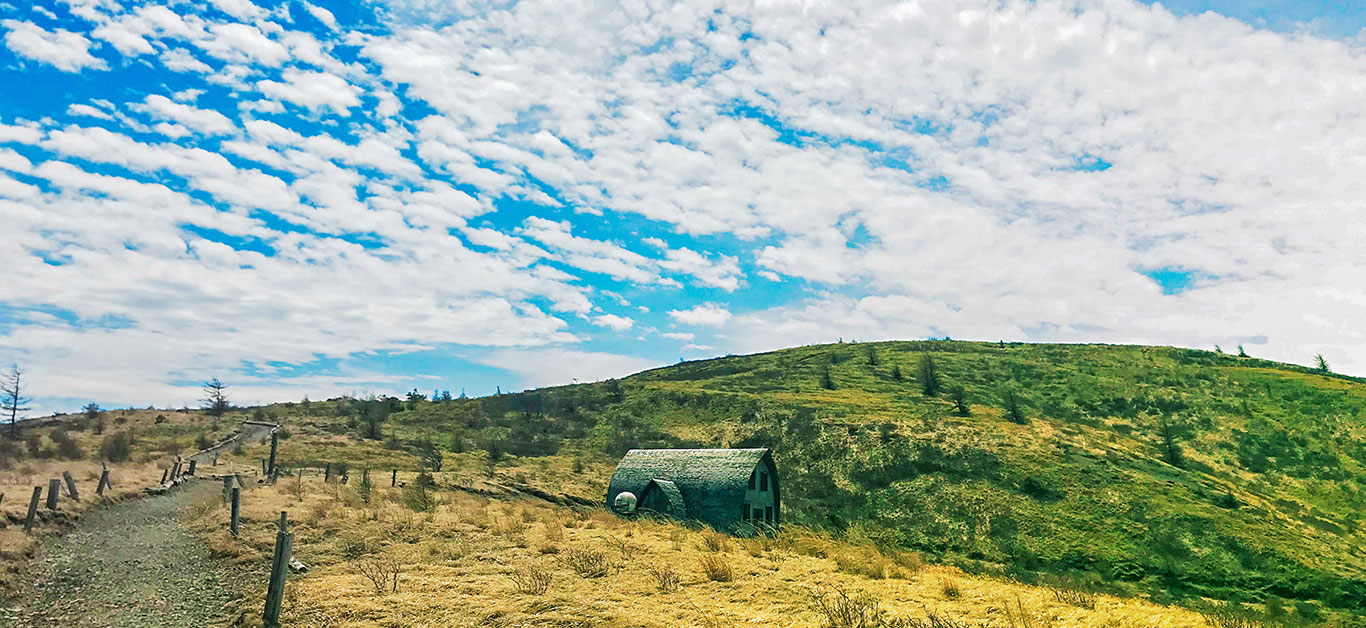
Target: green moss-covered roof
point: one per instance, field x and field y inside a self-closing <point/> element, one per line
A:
<point x="712" y="481"/>
<point x="677" y="507"/>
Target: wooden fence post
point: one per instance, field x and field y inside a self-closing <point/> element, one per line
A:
<point x="279" y="568"/>
<point x="327" y="473"/>
<point x="274" y="444"/>
<point x="227" y="487"/>
<point x="71" y="486"/>
<point x="393" y="479"/>
<point x="104" y="482"/>
<point x="33" y="508"/>
<point x="236" y="510"/>
<point x="53" y="487"/>
<point x="263" y="466"/>
<point x="192" y="463"/>
<point x="164" y="474"/>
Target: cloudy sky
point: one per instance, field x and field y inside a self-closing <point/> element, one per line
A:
<point x="313" y="199"/>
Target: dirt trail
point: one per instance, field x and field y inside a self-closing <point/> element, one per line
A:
<point x="127" y="565"/>
<point x="250" y="432"/>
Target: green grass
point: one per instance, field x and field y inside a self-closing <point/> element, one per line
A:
<point x="1268" y="498"/>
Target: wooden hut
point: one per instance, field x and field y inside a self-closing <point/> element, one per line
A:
<point x="734" y="490"/>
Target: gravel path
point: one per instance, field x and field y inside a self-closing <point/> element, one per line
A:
<point x="127" y="565"/>
<point x="250" y="432"/>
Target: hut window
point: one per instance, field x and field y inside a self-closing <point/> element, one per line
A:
<point x="763" y="481"/>
<point x="758" y="514"/>
<point x="751" y="481"/>
<point x="744" y="512"/>
<point x="768" y="514"/>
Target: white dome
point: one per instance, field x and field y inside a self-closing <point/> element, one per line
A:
<point x="624" y="502"/>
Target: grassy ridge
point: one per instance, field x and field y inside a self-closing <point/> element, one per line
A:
<point x="1261" y="498"/>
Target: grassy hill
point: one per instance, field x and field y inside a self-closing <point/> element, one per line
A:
<point x="1173" y="473"/>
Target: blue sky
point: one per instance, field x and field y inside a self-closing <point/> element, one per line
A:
<point x="343" y="197"/>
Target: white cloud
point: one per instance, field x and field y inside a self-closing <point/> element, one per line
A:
<point x="705" y="315"/>
<point x="205" y="121"/>
<point x="322" y="15"/>
<point x="549" y="367"/>
<point x="61" y="49"/>
<point x="678" y="335"/>
<point x="78" y="109"/>
<point x="614" y="322"/>
<point x="314" y="90"/>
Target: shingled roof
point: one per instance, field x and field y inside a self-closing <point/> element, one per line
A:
<point x="712" y="481"/>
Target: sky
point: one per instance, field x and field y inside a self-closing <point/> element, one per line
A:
<point x="362" y="197"/>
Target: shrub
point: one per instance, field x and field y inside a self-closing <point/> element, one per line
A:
<point x="366" y="488"/>
<point x="66" y="445"/>
<point x="418" y="498"/>
<point x="116" y="447"/>
<point x="950" y="589"/>
<point x="665" y="576"/>
<point x="1074" y="597"/>
<point x="715" y="568"/>
<point x="532" y="579"/>
<point x="839" y="609"/>
<point x="716" y="542"/>
<point x="587" y="562"/>
<point x="869" y="565"/>
<point x="382" y="572"/>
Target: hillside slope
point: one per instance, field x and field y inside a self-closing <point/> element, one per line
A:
<point x="1182" y="472"/>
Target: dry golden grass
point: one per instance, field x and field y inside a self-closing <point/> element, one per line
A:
<point x="17" y="483"/>
<point x="463" y="565"/>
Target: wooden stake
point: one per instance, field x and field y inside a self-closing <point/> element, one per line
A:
<point x="71" y="486"/>
<point x="192" y="463"/>
<point x="33" y="508"/>
<point x="104" y="482"/>
<point x="236" y="510"/>
<point x="274" y="444"/>
<point x="164" y="474"/>
<point x="327" y="473"/>
<point x="279" y="568"/>
<point x="393" y="479"/>
<point x="227" y="487"/>
<point x="53" y="486"/>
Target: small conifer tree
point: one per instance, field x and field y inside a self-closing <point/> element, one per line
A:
<point x="827" y="382"/>
<point x="959" y="396"/>
<point x="929" y="376"/>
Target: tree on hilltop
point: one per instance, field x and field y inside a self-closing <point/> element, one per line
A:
<point x="215" y="400"/>
<point x="12" y="399"/>
<point x="1320" y="364"/>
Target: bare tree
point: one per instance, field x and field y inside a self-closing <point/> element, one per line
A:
<point x="215" y="399"/>
<point x="12" y="399"/>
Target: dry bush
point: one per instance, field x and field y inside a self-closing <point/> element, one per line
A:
<point x="909" y="561"/>
<point x="665" y="576"/>
<point x="1229" y="616"/>
<point x="1018" y="616"/>
<point x="869" y="565"/>
<point x="588" y="563"/>
<point x="715" y="568"/>
<point x="1075" y="597"/>
<point x="754" y="547"/>
<point x="382" y="572"/>
<point x="554" y="532"/>
<point x="715" y="542"/>
<point x="627" y="549"/>
<point x="839" y="609"/>
<point x="676" y="538"/>
<point x="532" y="579"/>
<point x="509" y="527"/>
<point x="949" y="588"/>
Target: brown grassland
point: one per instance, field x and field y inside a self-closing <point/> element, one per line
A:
<point x="475" y="561"/>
